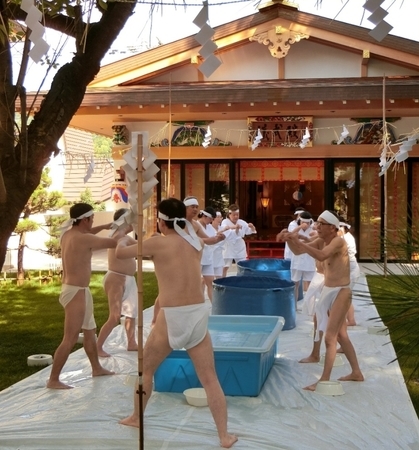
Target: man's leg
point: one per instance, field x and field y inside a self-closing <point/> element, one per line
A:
<point x="315" y="352"/>
<point x="130" y="331"/>
<point x="155" y="351"/>
<point x="350" y="316"/>
<point x="337" y="317"/>
<point x="296" y="292"/>
<point x="156" y="311"/>
<point x="348" y="349"/>
<point x="202" y="357"/>
<point x="74" y="315"/>
<point x="208" y="283"/>
<point x="89" y="344"/>
<point x="114" y="289"/>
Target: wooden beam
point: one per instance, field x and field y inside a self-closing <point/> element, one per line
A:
<point x="242" y="152"/>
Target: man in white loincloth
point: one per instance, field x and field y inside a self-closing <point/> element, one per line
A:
<point x="121" y="289"/>
<point x="182" y="321"/>
<point x="336" y="296"/>
<point x="77" y="242"/>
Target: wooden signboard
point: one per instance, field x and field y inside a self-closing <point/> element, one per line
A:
<point x="280" y="131"/>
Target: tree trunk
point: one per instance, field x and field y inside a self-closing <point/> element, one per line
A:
<point x="49" y="123"/>
<point x="20" y="250"/>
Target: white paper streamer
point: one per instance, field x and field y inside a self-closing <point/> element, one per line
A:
<point x="32" y="21"/>
<point x="257" y="139"/>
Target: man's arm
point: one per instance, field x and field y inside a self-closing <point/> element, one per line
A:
<point x="97" y="243"/>
<point x="127" y="248"/>
<point x="96" y="230"/>
<point x="205" y="238"/>
<point x="315" y="249"/>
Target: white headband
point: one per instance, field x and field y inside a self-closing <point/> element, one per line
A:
<point x="305" y="220"/>
<point x="204" y="213"/>
<point x="69" y="223"/>
<point x="192" y="237"/>
<point x="330" y="218"/>
<point x="299" y="211"/>
<point x="230" y="211"/>
<point x="343" y="224"/>
<point x="191" y="202"/>
<point x="219" y="214"/>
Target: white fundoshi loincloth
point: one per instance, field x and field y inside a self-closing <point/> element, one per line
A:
<point x="323" y="306"/>
<point x="187" y="325"/>
<point x="313" y="293"/>
<point x="129" y="307"/>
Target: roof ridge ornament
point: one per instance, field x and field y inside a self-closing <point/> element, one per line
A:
<point x="278" y="40"/>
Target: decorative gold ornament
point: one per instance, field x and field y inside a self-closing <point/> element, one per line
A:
<point x="278" y="40"/>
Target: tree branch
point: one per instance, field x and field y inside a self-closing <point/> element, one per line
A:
<point x="58" y="22"/>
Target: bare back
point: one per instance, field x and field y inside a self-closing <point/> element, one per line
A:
<point x="178" y="269"/>
<point x="123" y="266"/>
<point x="76" y="253"/>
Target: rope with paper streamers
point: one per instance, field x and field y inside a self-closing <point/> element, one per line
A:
<point x="397" y="152"/>
<point x="245" y="137"/>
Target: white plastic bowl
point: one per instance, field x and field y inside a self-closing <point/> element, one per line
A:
<point x="338" y="360"/>
<point x="196" y="396"/>
<point x="329" y="388"/>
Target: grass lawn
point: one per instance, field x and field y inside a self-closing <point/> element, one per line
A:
<point x="32" y="320"/>
<point x="396" y="298"/>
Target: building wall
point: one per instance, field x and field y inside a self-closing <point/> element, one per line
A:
<point x="305" y="59"/>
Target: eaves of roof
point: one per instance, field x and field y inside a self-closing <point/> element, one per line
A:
<point x="238" y="91"/>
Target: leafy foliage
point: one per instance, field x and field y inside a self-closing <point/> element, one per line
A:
<point x="102" y="146"/>
<point x="40" y="201"/>
<point x="86" y="197"/>
<point x="25" y="226"/>
<point x="53" y="244"/>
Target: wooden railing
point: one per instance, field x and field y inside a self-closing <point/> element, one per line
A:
<point x="264" y="249"/>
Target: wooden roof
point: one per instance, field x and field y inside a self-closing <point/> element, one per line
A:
<point x="126" y="91"/>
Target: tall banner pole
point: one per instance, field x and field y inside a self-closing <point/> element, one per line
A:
<point x="140" y="288"/>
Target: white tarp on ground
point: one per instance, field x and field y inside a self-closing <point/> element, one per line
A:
<point x="375" y="414"/>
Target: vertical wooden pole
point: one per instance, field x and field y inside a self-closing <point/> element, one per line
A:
<point x="384" y="143"/>
<point x="140" y="288"/>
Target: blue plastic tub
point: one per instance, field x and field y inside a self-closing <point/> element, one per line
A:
<point x="257" y="296"/>
<point x="268" y="267"/>
<point x="244" y="351"/>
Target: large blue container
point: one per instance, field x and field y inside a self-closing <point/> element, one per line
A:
<point x="268" y="267"/>
<point x="244" y="353"/>
<point x="250" y="295"/>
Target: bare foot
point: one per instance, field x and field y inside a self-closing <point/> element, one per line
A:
<point x="339" y="350"/>
<point x="101" y="353"/>
<point x="131" y="421"/>
<point x="350" y="324"/>
<point x="57" y="385"/>
<point x="101" y="372"/>
<point x="312" y="387"/>
<point x="228" y="441"/>
<point x="353" y="376"/>
<point x="310" y="359"/>
<point x="132" y="348"/>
